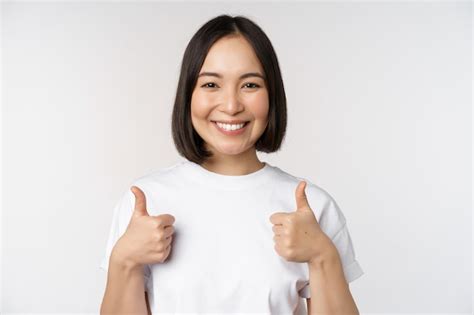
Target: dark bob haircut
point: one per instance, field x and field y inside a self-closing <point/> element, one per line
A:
<point x="187" y="141"/>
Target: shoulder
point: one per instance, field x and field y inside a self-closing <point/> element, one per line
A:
<point x="313" y="191"/>
<point x="155" y="180"/>
<point x="158" y="176"/>
<point x="327" y="211"/>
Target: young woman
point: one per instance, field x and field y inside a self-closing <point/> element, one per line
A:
<point x="222" y="231"/>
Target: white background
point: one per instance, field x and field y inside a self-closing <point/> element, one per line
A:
<point x="379" y="106"/>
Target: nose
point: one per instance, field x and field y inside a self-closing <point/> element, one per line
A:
<point x="232" y="103"/>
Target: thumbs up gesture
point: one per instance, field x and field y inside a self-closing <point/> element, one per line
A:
<point x="297" y="235"/>
<point x="147" y="239"/>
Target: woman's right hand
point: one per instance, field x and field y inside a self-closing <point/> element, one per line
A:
<point x="147" y="239"/>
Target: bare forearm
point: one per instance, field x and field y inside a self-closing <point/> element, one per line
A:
<point x="124" y="293"/>
<point x="330" y="294"/>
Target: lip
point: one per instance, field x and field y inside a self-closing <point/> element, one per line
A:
<point x="231" y="121"/>
<point x="232" y="132"/>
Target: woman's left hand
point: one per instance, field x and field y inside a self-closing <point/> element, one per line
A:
<point x="297" y="235"/>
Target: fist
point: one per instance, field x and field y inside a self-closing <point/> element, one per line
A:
<point x="297" y="235"/>
<point x="147" y="239"/>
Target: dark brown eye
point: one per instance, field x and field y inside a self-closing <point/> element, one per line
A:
<point x="253" y="84"/>
<point x="207" y="85"/>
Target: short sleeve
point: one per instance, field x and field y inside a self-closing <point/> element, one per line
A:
<point x="120" y="218"/>
<point x="332" y="216"/>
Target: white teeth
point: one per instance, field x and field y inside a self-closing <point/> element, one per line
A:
<point x="229" y="127"/>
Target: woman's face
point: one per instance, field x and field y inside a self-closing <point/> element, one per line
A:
<point x="225" y="96"/>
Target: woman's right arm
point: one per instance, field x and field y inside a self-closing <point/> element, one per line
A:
<point x="124" y="292"/>
<point x="147" y="240"/>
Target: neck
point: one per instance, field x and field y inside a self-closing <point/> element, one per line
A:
<point x="234" y="165"/>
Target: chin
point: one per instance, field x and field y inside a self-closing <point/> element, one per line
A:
<point x="229" y="150"/>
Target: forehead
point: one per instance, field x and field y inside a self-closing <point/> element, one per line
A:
<point x="231" y="56"/>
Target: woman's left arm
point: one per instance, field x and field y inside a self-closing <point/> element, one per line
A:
<point x="330" y="293"/>
<point x="299" y="238"/>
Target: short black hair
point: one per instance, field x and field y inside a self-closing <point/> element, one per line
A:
<point x="187" y="141"/>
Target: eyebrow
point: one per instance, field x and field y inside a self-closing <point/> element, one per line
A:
<point x="243" y="76"/>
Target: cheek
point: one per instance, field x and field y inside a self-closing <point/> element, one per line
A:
<point x="260" y="106"/>
<point x="199" y="105"/>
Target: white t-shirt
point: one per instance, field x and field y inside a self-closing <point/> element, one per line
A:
<point x="222" y="258"/>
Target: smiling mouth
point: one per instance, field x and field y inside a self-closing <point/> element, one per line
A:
<point x="245" y="123"/>
<point x="231" y="131"/>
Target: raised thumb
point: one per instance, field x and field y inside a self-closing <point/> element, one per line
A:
<point x="140" y="202"/>
<point x="300" y="196"/>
